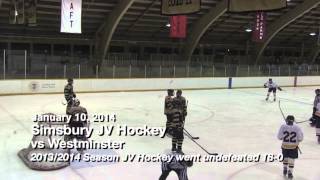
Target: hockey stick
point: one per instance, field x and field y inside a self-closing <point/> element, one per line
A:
<point x="189" y="135"/>
<point x="185" y="131"/>
<point x="285" y="120"/>
<point x="302" y="121"/>
<point x="214" y="154"/>
<point x="281" y="111"/>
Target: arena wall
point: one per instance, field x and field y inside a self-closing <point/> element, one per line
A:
<point x="16" y="87"/>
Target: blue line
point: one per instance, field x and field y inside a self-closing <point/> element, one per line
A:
<point x="230" y="83"/>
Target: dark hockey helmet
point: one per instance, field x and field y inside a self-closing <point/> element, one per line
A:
<point x="270" y="79"/>
<point x="70" y="80"/>
<point x="170" y="92"/>
<point x="317" y="91"/>
<point x="290" y="119"/>
<point x="179" y="92"/>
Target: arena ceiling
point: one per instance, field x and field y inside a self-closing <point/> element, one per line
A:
<point x="142" y="21"/>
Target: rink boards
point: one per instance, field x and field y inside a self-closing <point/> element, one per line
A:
<point x="14" y="87"/>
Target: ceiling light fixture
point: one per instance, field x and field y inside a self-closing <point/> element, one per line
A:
<point x="248" y="30"/>
<point x="313" y="34"/>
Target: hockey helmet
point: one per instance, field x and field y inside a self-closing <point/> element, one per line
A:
<point x="76" y="102"/>
<point x="290" y="119"/>
<point x="170" y="92"/>
<point x="70" y="80"/>
<point x="179" y="92"/>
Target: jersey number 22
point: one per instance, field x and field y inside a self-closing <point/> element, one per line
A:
<point x="289" y="136"/>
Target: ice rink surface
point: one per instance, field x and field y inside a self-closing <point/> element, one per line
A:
<point x="235" y="121"/>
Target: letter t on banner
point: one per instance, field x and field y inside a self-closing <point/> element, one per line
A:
<point x="71" y="16"/>
<point x="178" y="26"/>
<point x="259" y="32"/>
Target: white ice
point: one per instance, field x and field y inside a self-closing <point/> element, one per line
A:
<point x="235" y="121"/>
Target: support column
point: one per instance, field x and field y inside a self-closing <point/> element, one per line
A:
<point x="31" y="49"/>
<point x="302" y="50"/>
<point x="247" y="48"/>
<point x="30" y="55"/>
<point x="52" y="50"/>
<point x="90" y="52"/>
<point x="8" y="59"/>
<point x="141" y="51"/>
<point x="72" y="53"/>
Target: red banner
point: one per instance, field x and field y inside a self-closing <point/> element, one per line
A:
<point x="178" y="26"/>
<point x="259" y="33"/>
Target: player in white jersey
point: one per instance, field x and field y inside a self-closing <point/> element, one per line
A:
<point x="291" y="135"/>
<point x="272" y="87"/>
<point x="317" y="121"/>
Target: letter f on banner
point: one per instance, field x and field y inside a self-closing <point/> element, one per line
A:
<point x="71" y="11"/>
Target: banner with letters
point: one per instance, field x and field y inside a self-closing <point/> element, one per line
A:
<point x="178" y="7"/>
<point x="259" y="31"/>
<point x="71" y="16"/>
<point x="178" y="26"/>
<point x="255" y="5"/>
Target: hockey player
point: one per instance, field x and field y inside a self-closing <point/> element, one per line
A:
<point x="272" y="87"/>
<point x="79" y="119"/>
<point x="317" y="121"/>
<point x="179" y="167"/>
<point x="182" y="103"/>
<point x="177" y="127"/>
<point x="291" y="135"/>
<point x="168" y="110"/>
<point x="69" y="93"/>
<point x="315" y="102"/>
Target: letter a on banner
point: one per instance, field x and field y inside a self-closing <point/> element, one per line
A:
<point x="178" y="28"/>
<point x="71" y="16"/>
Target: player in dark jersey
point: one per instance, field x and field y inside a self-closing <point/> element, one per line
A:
<point x="79" y="119"/>
<point x="177" y="127"/>
<point x="182" y="103"/>
<point x="69" y="93"/>
<point x="168" y="110"/>
<point x="179" y="167"/>
<point x="315" y="102"/>
<point x="317" y="123"/>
